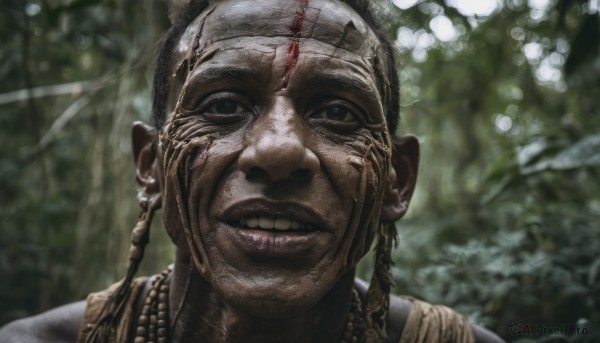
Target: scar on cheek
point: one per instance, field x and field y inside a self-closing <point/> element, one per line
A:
<point x="293" y="50"/>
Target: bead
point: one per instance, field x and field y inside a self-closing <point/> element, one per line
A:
<point x="154" y="313"/>
<point x="138" y="233"/>
<point x="135" y="252"/>
<point x="148" y="300"/>
<point x="140" y="331"/>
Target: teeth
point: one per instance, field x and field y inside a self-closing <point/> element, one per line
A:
<point x="266" y="222"/>
<point x="252" y="222"/>
<point x="281" y="224"/>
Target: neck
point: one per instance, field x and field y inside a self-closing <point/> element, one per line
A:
<point x="198" y="313"/>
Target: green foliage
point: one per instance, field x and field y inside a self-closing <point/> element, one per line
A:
<point x="76" y="75"/>
<point x="505" y="222"/>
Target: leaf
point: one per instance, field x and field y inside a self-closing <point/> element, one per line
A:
<point x="503" y="165"/>
<point x="585" y="153"/>
<point x="594" y="272"/>
<point x="531" y="151"/>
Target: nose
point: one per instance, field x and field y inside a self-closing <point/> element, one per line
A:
<point x="276" y="146"/>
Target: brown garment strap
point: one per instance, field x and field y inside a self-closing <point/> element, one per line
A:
<point x="95" y="305"/>
<point x="435" y="323"/>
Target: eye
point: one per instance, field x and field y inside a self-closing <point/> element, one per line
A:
<point x="337" y="115"/>
<point x="224" y="107"/>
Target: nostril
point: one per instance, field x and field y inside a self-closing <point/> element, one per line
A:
<point x="301" y="174"/>
<point x="257" y="173"/>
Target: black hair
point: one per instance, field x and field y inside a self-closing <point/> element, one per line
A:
<point x="160" y="92"/>
<point x="194" y="7"/>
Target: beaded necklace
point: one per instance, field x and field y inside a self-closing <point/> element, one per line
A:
<point x="152" y="323"/>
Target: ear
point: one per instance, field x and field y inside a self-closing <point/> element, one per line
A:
<point x="144" y="139"/>
<point x="402" y="178"/>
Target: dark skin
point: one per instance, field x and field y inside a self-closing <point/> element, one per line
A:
<point x="265" y="169"/>
<point x="252" y="140"/>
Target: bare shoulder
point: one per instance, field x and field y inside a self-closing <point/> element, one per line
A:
<point x="57" y="325"/>
<point x="400" y="309"/>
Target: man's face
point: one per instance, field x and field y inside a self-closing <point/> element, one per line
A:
<point x="276" y="152"/>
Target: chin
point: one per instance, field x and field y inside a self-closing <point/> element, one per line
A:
<point x="272" y="296"/>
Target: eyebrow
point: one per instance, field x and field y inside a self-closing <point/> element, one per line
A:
<point x="348" y="83"/>
<point x="224" y="74"/>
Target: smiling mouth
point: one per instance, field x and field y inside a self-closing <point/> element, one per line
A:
<point x="276" y="217"/>
<point x="274" y="224"/>
<point x="264" y="236"/>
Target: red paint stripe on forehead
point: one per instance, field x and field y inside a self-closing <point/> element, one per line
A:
<point x="293" y="51"/>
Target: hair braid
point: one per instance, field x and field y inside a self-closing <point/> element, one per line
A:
<point x="109" y="318"/>
<point x="378" y="294"/>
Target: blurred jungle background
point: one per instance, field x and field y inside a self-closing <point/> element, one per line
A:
<point x="504" y="96"/>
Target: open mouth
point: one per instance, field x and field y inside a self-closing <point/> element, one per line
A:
<point x="277" y="217"/>
<point x="274" y="224"/>
<point x="263" y="229"/>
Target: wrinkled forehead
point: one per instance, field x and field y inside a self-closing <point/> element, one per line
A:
<point x="328" y="21"/>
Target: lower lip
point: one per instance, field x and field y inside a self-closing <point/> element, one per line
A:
<point x="270" y="243"/>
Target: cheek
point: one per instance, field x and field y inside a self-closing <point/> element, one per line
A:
<point x="207" y="175"/>
<point x="194" y="163"/>
<point x="358" y="168"/>
<point x="343" y="168"/>
<point x="180" y="160"/>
